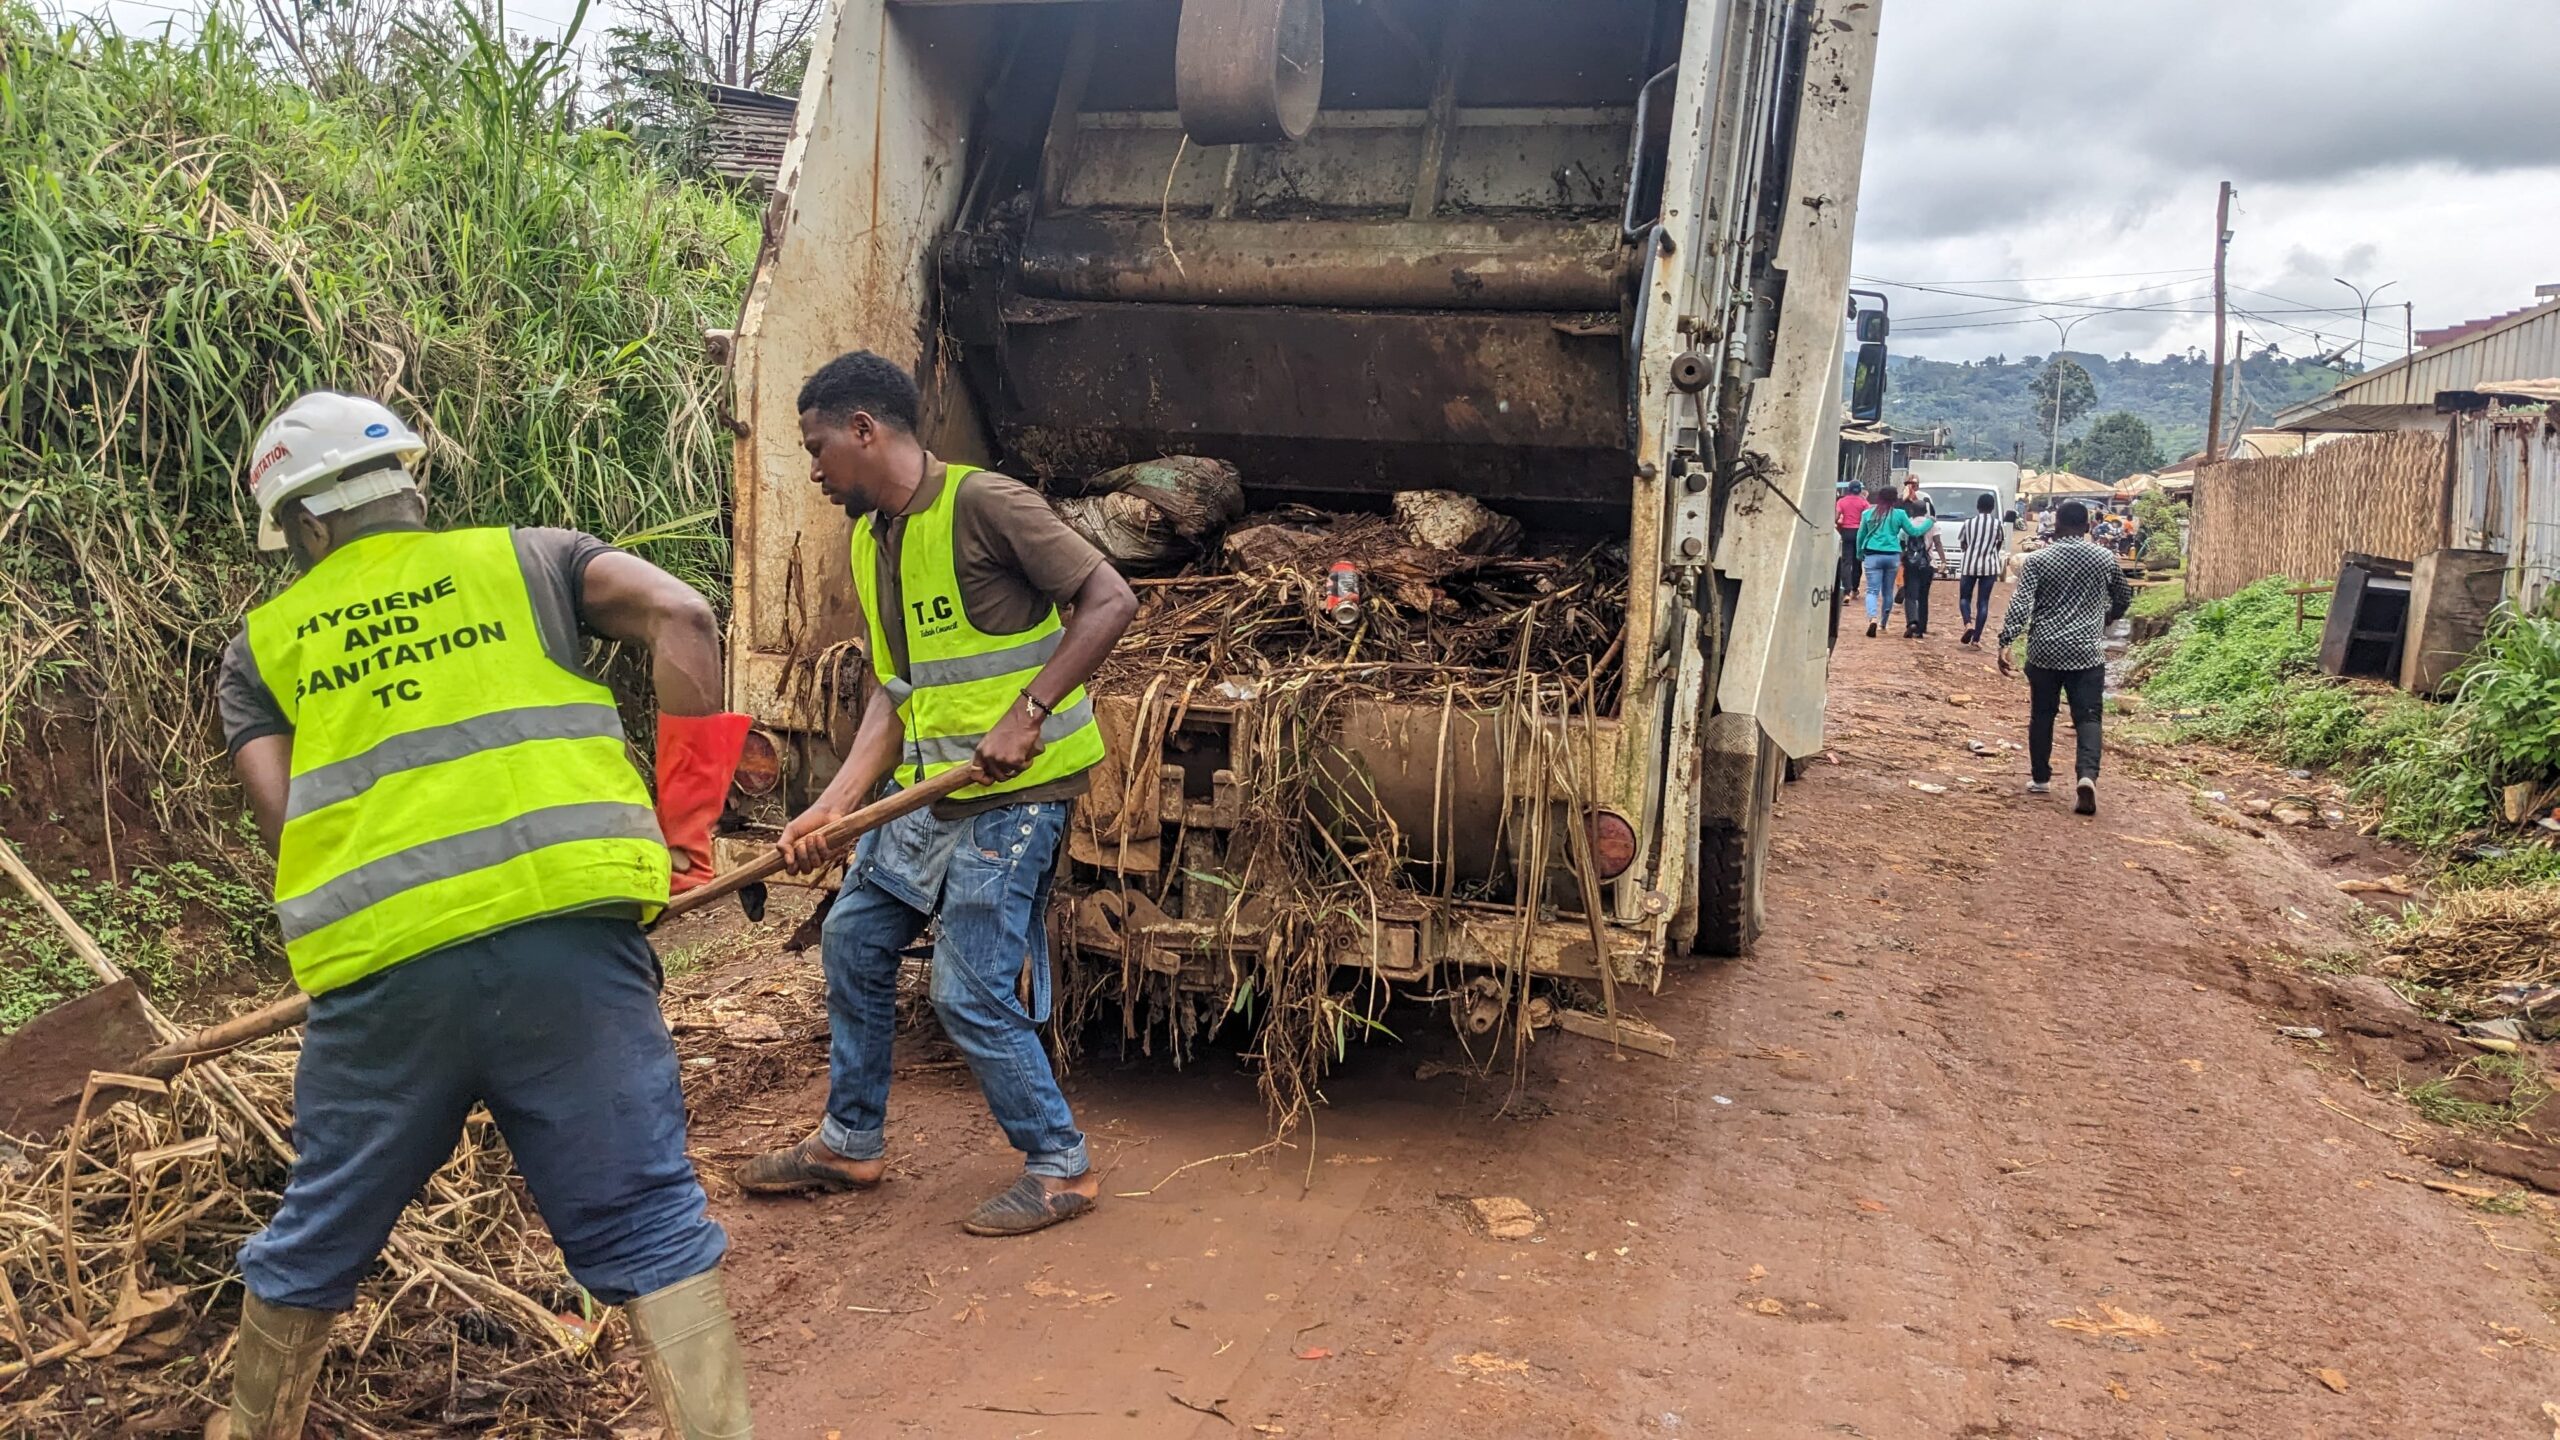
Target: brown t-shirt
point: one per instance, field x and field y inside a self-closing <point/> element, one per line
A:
<point x="1016" y="561"/>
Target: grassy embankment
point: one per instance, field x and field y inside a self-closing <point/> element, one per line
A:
<point x="2237" y="671"/>
<point x="187" y="240"/>
<point x="2434" y="776"/>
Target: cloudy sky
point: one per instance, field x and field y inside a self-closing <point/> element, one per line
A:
<point x="2066" y="152"/>
<point x="2070" y="151"/>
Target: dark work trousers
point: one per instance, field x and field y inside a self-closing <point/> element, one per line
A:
<point x="554" y="1025"/>
<point x="1915" y="598"/>
<point x="2045" y="690"/>
<point x="1973" y="602"/>
<point x="1847" y="582"/>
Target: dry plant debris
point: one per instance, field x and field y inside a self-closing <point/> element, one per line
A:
<point x="1527" y="644"/>
<point x="120" y="1287"/>
<point x="2477" y="942"/>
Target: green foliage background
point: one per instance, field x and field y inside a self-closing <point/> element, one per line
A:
<point x="1987" y="405"/>
<point x="187" y="240"/>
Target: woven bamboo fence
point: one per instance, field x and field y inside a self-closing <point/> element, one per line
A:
<point x="2297" y="515"/>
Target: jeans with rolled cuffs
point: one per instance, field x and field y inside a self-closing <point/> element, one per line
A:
<point x="987" y="879"/>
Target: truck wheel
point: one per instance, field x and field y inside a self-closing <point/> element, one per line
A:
<point x="1732" y="858"/>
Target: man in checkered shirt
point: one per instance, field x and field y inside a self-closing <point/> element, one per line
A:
<point x="2067" y="595"/>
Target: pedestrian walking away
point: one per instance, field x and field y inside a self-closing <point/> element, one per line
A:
<point x="959" y="575"/>
<point x="1846" y="512"/>
<point x="2067" y="595"/>
<point x="1880" y="535"/>
<point x="464" y="859"/>
<point x="1920" y="556"/>
<point x="1979" y="543"/>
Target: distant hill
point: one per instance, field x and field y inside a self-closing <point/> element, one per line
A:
<point x="1984" y="403"/>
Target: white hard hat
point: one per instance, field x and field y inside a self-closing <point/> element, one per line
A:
<point x="311" y="442"/>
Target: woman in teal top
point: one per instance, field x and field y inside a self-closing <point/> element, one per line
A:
<point x="1880" y="537"/>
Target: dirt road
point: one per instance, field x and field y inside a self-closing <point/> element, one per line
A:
<point x="1995" y="1136"/>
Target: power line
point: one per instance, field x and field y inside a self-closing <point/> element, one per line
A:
<point x="2040" y="279"/>
<point x="2085" y="302"/>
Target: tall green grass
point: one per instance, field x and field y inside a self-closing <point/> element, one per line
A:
<point x="187" y="240"/>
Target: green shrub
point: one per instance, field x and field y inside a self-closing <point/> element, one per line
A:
<point x="2510" y="690"/>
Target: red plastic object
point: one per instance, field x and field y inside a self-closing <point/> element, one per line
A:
<point x="697" y="755"/>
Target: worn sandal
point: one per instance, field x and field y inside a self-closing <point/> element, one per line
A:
<point x="809" y="1165"/>
<point x="1025" y="1207"/>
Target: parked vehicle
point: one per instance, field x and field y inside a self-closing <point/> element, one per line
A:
<point x="1585" y="263"/>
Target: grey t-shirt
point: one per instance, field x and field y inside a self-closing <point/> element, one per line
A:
<point x="555" y="570"/>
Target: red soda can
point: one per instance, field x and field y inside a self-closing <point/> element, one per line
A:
<point x="1342" y="594"/>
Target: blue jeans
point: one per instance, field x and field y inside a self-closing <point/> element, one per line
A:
<point x="1973" y="601"/>
<point x="1882" y="570"/>
<point x="987" y="879"/>
<point x="554" y="1025"/>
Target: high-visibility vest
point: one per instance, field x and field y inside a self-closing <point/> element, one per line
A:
<point x="961" y="680"/>
<point x="449" y="777"/>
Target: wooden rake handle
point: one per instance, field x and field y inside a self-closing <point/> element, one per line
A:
<point x="834" y="838"/>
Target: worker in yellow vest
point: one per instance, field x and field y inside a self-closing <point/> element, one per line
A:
<point x="960" y="575"/>
<point x="464" y="859"/>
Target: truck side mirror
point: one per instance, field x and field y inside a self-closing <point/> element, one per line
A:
<point x="1866" y="385"/>
<point x="2012" y="517"/>
<point x="1874" y="326"/>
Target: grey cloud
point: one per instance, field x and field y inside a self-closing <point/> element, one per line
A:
<point x="1993" y="112"/>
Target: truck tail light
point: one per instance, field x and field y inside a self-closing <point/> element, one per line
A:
<point x="1613" y="843"/>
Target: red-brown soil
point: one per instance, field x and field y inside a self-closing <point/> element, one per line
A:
<point x="1995" y="1136"/>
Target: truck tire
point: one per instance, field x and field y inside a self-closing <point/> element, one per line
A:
<point x="1732" y="860"/>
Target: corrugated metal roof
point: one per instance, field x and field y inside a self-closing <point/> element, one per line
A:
<point x="2522" y="344"/>
<point x="749" y="129"/>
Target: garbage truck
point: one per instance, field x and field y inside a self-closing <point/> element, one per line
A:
<point x="1586" y="263"/>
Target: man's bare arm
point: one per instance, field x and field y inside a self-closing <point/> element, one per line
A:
<point x="265" y="767"/>
<point x="626" y="598"/>
<point x="866" y="764"/>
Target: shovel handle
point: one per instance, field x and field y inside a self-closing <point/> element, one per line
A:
<point x="834" y="837"/>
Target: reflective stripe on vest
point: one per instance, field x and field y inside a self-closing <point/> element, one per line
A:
<point x="961" y="681"/>
<point x="449" y="778"/>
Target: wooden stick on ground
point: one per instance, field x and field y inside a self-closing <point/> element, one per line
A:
<point x="180" y="1051"/>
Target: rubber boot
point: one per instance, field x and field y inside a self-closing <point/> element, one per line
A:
<point x="689" y="1351"/>
<point x="274" y="1369"/>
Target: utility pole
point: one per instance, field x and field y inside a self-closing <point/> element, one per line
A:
<point x="2221" y="252"/>
<point x="2408" y="327"/>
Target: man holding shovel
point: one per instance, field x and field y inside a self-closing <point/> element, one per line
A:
<point x="960" y="575"/>
<point x="464" y="859"/>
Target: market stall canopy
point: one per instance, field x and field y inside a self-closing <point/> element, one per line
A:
<point x="2042" y="484"/>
